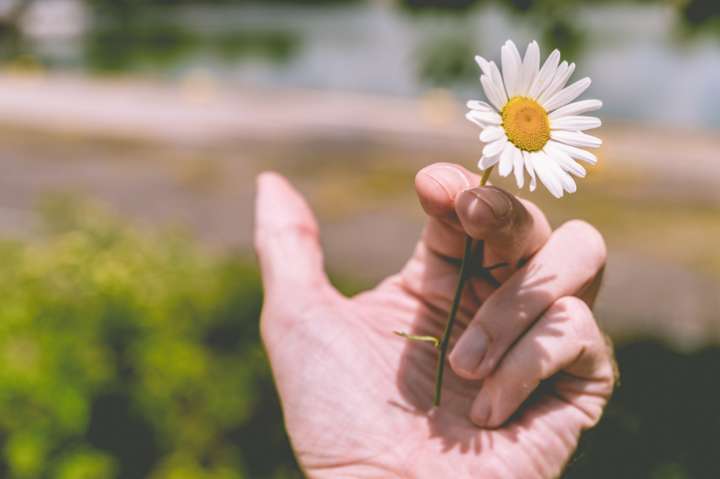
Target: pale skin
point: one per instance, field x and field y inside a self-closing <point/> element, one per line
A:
<point x="529" y="369"/>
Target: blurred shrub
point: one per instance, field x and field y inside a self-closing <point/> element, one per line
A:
<point x="447" y="59"/>
<point x="130" y="355"/>
<point x="141" y="44"/>
<point x="663" y="420"/>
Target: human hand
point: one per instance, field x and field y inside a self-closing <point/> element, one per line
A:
<point x="530" y="369"/>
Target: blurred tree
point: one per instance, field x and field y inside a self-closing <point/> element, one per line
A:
<point x="700" y="12"/>
<point x="554" y="18"/>
<point x="131" y="35"/>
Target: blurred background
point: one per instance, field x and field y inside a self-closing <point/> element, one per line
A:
<point x="131" y="133"/>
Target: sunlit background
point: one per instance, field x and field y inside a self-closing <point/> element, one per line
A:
<point x="131" y="133"/>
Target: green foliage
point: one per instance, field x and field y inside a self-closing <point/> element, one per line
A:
<point x="130" y="355"/>
<point x="85" y="465"/>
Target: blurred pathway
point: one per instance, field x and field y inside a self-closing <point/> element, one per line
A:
<point x="199" y="112"/>
<point x="186" y="155"/>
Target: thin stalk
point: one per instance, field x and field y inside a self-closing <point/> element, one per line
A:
<point x="445" y="341"/>
<point x="464" y="267"/>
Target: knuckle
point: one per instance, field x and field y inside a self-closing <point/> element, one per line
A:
<point x="537" y="215"/>
<point x="531" y="207"/>
<point x="596" y="350"/>
<point x="571" y="305"/>
<point x="578" y="314"/>
<point x="592" y="239"/>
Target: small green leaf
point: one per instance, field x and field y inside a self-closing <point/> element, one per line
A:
<point x="426" y="339"/>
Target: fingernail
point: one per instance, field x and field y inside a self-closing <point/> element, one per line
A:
<point x="469" y="350"/>
<point x="497" y="201"/>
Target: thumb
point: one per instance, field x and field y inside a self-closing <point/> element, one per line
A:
<point x="286" y="242"/>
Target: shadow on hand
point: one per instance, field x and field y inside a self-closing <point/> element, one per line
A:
<point x="450" y="422"/>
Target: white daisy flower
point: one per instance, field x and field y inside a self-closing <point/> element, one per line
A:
<point x="532" y="121"/>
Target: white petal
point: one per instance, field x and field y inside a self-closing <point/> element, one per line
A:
<point x="492" y="133"/>
<point x="530" y="67"/>
<point x="571" y="166"/>
<point x="511" y="64"/>
<point x="566" y="95"/>
<point x="506" y="160"/>
<point x="518" y="166"/>
<point x="576" y="123"/>
<point x="530" y="169"/>
<point x="576" y="108"/>
<point x="565" y="180"/>
<point x="547" y="72"/>
<point x="495" y="147"/>
<point x="573" y="152"/>
<point x="562" y="75"/>
<point x="552" y="85"/>
<point x="483" y="64"/>
<point x="490" y="70"/>
<point x="546" y="173"/>
<point x="576" y="138"/>
<point x="564" y="160"/>
<point x="487" y="161"/>
<point x="570" y="71"/>
<point x="479" y="105"/>
<point x="491" y="92"/>
<point x="498" y="81"/>
<point x="483" y="118"/>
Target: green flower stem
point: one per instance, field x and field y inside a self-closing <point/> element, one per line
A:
<point x="445" y="341"/>
<point x="464" y="267"/>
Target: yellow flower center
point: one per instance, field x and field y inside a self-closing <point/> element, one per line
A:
<point x="526" y="123"/>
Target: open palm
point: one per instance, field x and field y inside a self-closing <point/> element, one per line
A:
<point x="529" y="368"/>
